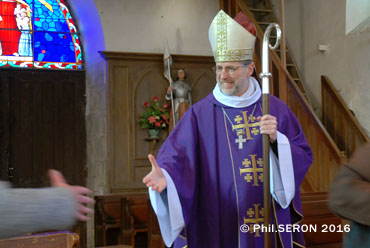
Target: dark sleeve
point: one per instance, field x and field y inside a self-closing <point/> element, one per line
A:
<point x="274" y="148"/>
<point x="350" y="190"/>
<point x="33" y="210"/>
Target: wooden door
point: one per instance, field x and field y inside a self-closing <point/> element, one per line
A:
<point x="42" y="126"/>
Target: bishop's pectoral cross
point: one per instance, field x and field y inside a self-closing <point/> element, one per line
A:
<point x="240" y="139"/>
<point x="250" y="128"/>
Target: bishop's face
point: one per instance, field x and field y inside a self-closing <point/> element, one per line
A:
<point x="233" y="77"/>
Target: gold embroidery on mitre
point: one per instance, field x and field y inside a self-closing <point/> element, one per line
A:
<point x="221" y="43"/>
<point x="221" y="52"/>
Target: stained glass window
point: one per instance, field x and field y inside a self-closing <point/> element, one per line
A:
<point x="38" y="34"/>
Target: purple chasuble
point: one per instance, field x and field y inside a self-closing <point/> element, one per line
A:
<point x="215" y="162"/>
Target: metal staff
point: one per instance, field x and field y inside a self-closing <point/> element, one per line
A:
<point x="265" y="76"/>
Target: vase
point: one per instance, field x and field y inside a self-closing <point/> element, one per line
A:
<point x="153" y="133"/>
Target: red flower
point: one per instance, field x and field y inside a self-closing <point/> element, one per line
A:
<point x="151" y="119"/>
<point x="161" y="109"/>
<point x="164" y="117"/>
<point x="166" y="106"/>
<point x="155" y="99"/>
<point x="157" y="124"/>
<point x="146" y="104"/>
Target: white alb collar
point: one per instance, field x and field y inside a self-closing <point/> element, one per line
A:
<point x="248" y="98"/>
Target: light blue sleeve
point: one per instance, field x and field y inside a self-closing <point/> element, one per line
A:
<point x="282" y="184"/>
<point x="167" y="207"/>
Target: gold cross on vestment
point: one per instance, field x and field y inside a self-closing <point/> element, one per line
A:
<point x="255" y="131"/>
<point x="256" y="171"/>
<point x="255" y="217"/>
<point x="247" y="125"/>
<point x="251" y="118"/>
<point x="238" y="119"/>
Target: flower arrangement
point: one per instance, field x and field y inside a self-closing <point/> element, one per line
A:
<point x="155" y="117"/>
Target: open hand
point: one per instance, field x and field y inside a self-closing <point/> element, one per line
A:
<point x="79" y="192"/>
<point x="155" y="178"/>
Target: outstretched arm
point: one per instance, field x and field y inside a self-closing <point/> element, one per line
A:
<point x="155" y="178"/>
<point x="32" y="210"/>
<point x="165" y="202"/>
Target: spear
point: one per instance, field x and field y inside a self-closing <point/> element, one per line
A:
<point x="265" y="76"/>
<point x="167" y="73"/>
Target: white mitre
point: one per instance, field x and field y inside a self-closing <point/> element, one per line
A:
<point x="229" y="40"/>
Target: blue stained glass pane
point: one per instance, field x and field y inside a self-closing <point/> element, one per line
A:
<point x="37" y="24"/>
<point x="72" y="46"/>
<point x="55" y="47"/>
<point x="43" y="15"/>
<point x="48" y="37"/>
<point x="30" y="2"/>
<point x="45" y="25"/>
<point x="38" y="11"/>
<point x="40" y="57"/>
<point x="59" y="26"/>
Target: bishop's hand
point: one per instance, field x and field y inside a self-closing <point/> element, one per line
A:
<point x="268" y="125"/>
<point x="155" y="178"/>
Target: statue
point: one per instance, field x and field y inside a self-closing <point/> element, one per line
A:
<point x="181" y="93"/>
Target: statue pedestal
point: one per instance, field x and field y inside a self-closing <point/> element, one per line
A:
<point x="152" y="142"/>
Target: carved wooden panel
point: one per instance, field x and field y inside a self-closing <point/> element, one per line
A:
<point x="134" y="78"/>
